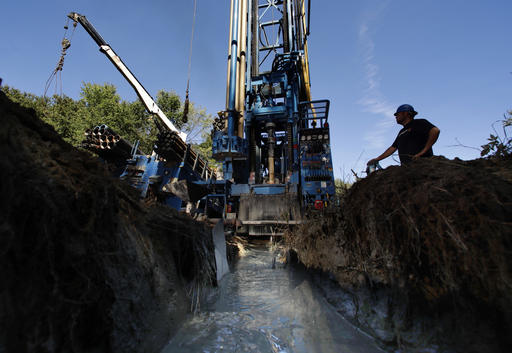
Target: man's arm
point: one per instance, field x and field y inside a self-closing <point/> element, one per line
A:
<point x="386" y="154"/>
<point x="433" y="135"/>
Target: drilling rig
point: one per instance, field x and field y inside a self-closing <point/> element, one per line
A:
<point x="174" y="173"/>
<point x="172" y="168"/>
<point x="273" y="140"/>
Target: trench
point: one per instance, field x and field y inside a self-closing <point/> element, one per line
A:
<point x="263" y="305"/>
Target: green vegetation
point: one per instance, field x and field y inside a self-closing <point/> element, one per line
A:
<point x="341" y="186"/>
<point x="499" y="145"/>
<point x="100" y="104"/>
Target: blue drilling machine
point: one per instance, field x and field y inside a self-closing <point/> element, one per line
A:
<point x="273" y="140"/>
<point x="174" y="173"/>
<point x="171" y="170"/>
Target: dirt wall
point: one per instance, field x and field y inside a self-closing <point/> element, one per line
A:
<point x="85" y="266"/>
<point x="422" y="252"/>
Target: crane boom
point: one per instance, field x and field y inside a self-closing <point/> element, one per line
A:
<point x="143" y="94"/>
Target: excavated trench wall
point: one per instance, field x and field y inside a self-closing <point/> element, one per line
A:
<point x="84" y="265"/>
<point x="421" y="254"/>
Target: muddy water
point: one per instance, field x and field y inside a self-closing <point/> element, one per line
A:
<point x="264" y="308"/>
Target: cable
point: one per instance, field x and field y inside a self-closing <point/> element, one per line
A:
<point x="57" y="72"/>
<point x="187" y="102"/>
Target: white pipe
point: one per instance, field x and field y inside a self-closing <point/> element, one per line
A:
<point x="242" y="67"/>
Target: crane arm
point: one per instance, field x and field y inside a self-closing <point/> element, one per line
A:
<point x="144" y="96"/>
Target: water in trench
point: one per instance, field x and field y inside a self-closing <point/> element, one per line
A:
<point x="264" y="308"/>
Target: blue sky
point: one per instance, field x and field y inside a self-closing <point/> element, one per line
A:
<point x="450" y="59"/>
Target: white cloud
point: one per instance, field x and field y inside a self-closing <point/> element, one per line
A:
<point x="373" y="101"/>
<point x="376" y="137"/>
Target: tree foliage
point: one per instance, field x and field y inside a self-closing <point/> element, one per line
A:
<point x="341" y="186"/>
<point x="63" y="113"/>
<point x="100" y="104"/>
<point x="499" y="144"/>
<point x="197" y="127"/>
<point x="170" y="104"/>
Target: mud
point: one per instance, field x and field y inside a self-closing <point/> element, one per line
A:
<point x="85" y="266"/>
<point x="264" y="305"/>
<point x="421" y="254"/>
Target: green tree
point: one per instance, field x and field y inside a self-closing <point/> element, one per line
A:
<point x="170" y="103"/>
<point x="341" y="186"/>
<point x="100" y="104"/>
<point x="104" y="107"/>
<point x="62" y="112"/>
<point x="27" y="100"/>
<point x="66" y="116"/>
<point x="499" y="144"/>
<point x="128" y="119"/>
<point x="205" y="150"/>
<point x="198" y="124"/>
<point x="146" y="130"/>
<point x="197" y="127"/>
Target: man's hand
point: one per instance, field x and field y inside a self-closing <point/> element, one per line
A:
<point x="386" y="154"/>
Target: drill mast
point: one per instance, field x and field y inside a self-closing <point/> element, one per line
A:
<point x="272" y="139"/>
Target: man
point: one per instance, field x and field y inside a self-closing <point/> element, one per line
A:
<point x="414" y="140"/>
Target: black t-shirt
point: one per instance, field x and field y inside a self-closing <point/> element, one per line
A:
<point x="412" y="138"/>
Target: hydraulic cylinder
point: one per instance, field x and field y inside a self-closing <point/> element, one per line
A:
<point x="271" y="146"/>
<point x="233" y="69"/>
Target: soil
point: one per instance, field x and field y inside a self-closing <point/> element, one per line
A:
<point x="85" y="265"/>
<point x="418" y="256"/>
<point x="422" y="253"/>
